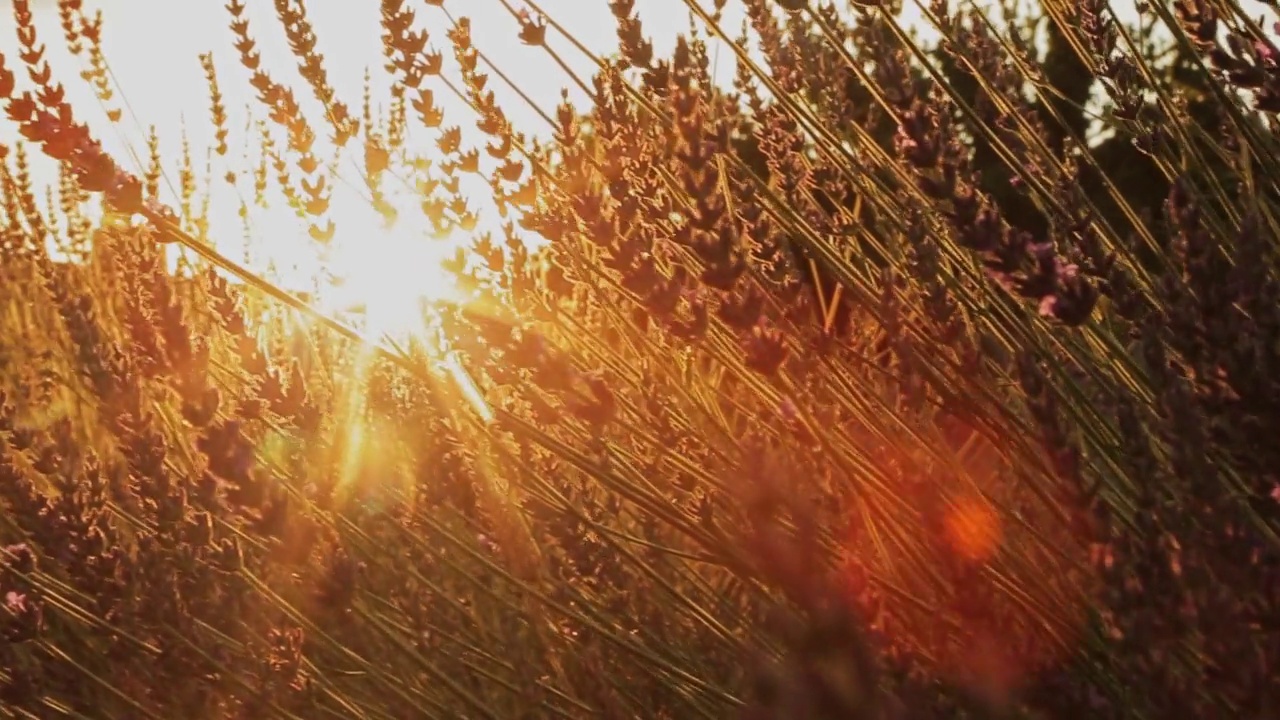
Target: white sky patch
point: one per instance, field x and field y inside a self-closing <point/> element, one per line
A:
<point x="152" y="47"/>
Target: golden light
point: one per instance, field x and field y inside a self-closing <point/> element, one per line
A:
<point x="389" y="278"/>
<point x="393" y="279"/>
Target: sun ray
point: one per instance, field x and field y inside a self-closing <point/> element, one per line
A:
<point x="470" y="391"/>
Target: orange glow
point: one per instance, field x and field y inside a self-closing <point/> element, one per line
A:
<point x="972" y="529"/>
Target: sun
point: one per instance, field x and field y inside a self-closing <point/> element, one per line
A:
<point x="388" y="279"/>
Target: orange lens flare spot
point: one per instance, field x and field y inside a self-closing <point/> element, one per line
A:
<point x="972" y="529"/>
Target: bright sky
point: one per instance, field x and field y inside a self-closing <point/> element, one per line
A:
<point x="152" y="47"/>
